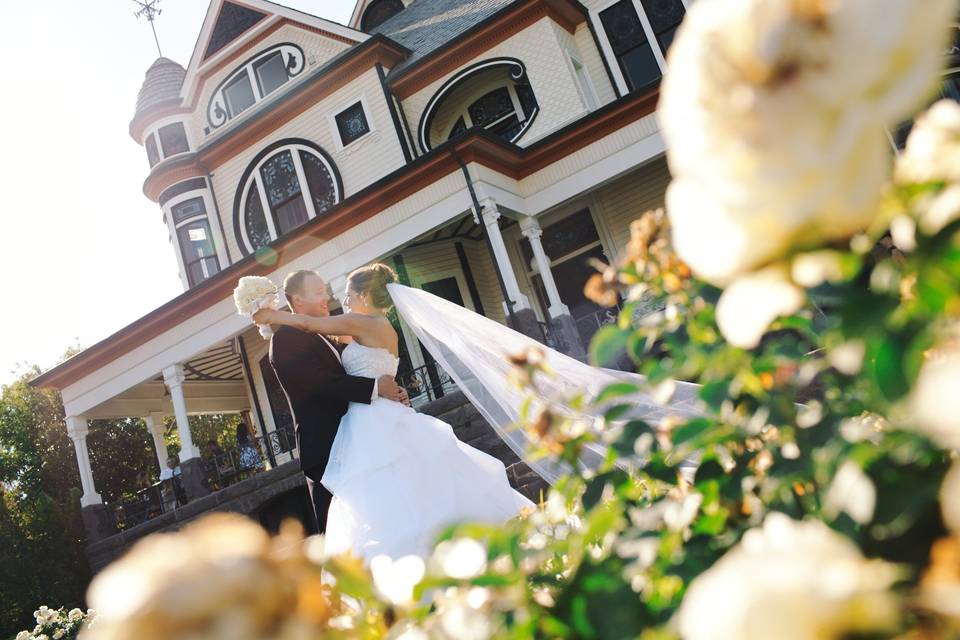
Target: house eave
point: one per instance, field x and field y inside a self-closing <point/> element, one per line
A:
<point x="478" y="146"/>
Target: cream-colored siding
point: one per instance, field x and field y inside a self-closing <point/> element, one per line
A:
<point x="317" y="50"/>
<point x="617" y="141"/>
<point x="540" y="50"/>
<point x="592" y="60"/>
<point x="626" y="199"/>
<point x="359" y="164"/>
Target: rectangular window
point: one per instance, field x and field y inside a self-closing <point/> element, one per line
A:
<point x="636" y="59"/>
<point x="352" y="123"/>
<point x="664" y="17"/>
<point x="173" y="139"/>
<point x="271" y="73"/>
<point x="153" y="156"/>
<point x="188" y="209"/>
<point x="199" y="255"/>
<point x="239" y="95"/>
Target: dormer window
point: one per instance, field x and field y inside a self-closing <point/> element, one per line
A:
<point x="253" y="81"/>
<point x="287" y="185"/>
<point x="494" y="94"/>
<point x="379" y="12"/>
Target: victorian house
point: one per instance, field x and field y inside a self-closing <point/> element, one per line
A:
<point x="487" y="149"/>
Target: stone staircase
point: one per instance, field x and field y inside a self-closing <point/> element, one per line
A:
<point x="470" y="427"/>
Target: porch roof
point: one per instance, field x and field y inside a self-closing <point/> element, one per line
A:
<point x="478" y="147"/>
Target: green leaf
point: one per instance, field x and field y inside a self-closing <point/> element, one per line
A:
<point x="616" y="390"/>
<point x="607" y="344"/>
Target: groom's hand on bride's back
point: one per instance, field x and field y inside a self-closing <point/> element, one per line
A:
<point x="388" y="388"/>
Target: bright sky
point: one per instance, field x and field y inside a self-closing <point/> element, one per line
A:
<point x="84" y="252"/>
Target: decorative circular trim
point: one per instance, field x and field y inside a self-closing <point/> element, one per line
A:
<point x="217" y="121"/>
<point x="238" y="229"/>
<point x="518" y="72"/>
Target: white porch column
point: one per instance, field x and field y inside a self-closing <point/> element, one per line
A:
<point x="491" y="215"/>
<point x="173" y="377"/>
<point x="530" y="228"/>
<point x="155" y="426"/>
<point x="78" y="429"/>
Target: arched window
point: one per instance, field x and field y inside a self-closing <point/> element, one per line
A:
<point x="253" y="81"/>
<point x="379" y="12"/>
<point x="288" y="184"/>
<point x="494" y="94"/>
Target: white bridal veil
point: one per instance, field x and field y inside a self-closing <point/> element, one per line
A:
<point x="473" y="349"/>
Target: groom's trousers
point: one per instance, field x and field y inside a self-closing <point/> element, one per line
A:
<point x="319" y="496"/>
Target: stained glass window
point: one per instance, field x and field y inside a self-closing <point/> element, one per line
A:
<point x="187" y="209"/>
<point x="319" y="182"/>
<point x="271" y="73"/>
<point x="173" y="139"/>
<point x="239" y="95"/>
<point x="491" y="107"/>
<point x="352" y="123"/>
<point x="153" y="156"/>
<point x="255" y="222"/>
<point x="286" y="178"/>
<point x="621" y="23"/>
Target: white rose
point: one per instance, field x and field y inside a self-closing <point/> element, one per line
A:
<point x="24" y="635"/>
<point x="460" y="559"/>
<point x="773" y="112"/>
<point x="935" y="402"/>
<point x="58" y="634"/>
<point x="950" y="498"/>
<point x="395" y="580"/>
<point x="748" y="306"/>
<point x="74" y="615"/>
<point x="789" y="580"/>
<point x="932" y="153"/>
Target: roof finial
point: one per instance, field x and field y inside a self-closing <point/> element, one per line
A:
<point x="148" y="9"/>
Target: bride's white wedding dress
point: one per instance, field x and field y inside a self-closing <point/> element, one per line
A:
<point x="399" y="477"/>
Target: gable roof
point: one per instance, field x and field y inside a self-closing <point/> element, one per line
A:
<point x="427" y="25"/>
<point x="232" y="21"/>
<point x="229" y="23"/>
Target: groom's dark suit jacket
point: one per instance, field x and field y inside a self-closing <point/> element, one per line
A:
<point x="318" y="390"/>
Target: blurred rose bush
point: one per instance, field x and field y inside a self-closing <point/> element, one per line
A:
<point x="811" y="288"/>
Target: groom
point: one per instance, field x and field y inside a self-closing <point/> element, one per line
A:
<point x="310" y="371"/>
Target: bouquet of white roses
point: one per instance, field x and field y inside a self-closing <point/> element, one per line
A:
<point x="254" y="293"/>
<point x="57" y="624"/>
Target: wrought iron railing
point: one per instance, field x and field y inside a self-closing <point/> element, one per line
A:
<point x="222" y="469"/>
<point x="553" y="338"/>
<point x="589" y="324"/>
<point x="241" y="462"/>
<point x="426" y="383"/>
<point x="146" y="504"/>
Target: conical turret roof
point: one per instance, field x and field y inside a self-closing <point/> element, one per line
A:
<point x="161" y="85"/>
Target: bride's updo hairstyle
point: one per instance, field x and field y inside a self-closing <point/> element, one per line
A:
<point x="372" y="281"/>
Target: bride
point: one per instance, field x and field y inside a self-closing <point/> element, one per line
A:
<point x="397" y="477"/>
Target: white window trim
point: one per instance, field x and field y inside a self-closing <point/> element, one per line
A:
<point x="219" y="245"/>
<point x="479" y="93"/>
<point x="343" y="106"/>
<point x="248" y="69"/>
<point x="607" y="49"/>
<point x="154" y="130"/>
<point x="265" y="203"/>
<point x="588" y="93"/>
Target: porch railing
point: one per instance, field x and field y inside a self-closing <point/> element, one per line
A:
<point x="553" y="338"/>
<point x="589" y="324"/>
<point x="426" y="383"/>
<point x="222" y="469"/>
<point x="241" y="462"/>
<point x="159" y="498"/>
